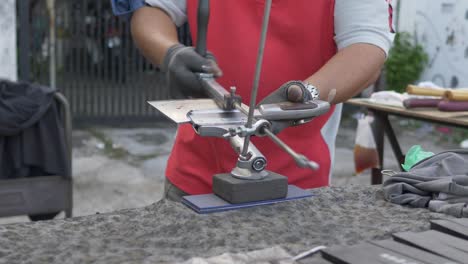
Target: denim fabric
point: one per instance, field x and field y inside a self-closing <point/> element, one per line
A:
<point x="126" y="7"/>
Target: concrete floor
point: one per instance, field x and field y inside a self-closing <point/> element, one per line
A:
<point x="116" y="169"/>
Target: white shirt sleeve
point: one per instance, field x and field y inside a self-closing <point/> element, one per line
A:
<point x="363" y="21"/>
<point x="176" y="9"/>
<point x="356" y="21"/>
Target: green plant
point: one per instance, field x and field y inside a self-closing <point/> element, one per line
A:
<point x="405" y="63"/>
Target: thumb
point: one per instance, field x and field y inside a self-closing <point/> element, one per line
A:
<point x="213" y="68"/>
<point x="295" y="94"/>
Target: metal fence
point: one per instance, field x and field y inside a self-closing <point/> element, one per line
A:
<point x="98" y="67"/>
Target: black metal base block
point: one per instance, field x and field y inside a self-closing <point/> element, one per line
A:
<point x="234" y="191"/>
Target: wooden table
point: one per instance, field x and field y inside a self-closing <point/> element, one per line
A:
<point x="382" y="126"/>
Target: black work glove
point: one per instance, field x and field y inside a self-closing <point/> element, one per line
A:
<point x="181" y="64"/>
<point x="292" y="91"/>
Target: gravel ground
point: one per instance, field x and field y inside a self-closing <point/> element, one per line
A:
<point x="169" y="232"/>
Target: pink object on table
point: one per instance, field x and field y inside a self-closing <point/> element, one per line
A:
<point x="452" y="106"/>
<point x="418" y="102"/>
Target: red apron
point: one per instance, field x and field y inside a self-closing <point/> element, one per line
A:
<point x="299" y="42"/>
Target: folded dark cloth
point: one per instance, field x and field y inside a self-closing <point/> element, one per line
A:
<point x="21" y="105"/>
<point x="418" y="102"/>
<point x="439" y="183"/>
<point x="453" y="106"/>
<point x="32" y="137"/>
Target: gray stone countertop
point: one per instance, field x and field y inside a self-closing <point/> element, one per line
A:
<point x="170" y="232"/>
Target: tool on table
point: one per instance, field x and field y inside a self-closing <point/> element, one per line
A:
<point x="421" y="103"/>
<point x="453" y="106"/>
<point x="460" y="94"/>
<point x="425" y="91"/>
<point x="225" y="116"/>
<point x="457" y="95"/>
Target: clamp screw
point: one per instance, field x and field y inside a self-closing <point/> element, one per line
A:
<point x="259" y="164"/>
<point x="233" y="90"/>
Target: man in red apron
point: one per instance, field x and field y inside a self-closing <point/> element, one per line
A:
<point x="306" y="41"/>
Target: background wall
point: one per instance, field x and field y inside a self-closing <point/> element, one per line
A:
<point x="8" y="55"/>
<point x="441" y="26"/>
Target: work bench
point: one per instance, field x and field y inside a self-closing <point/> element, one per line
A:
<point x="382" y="126"/>
<point x="169" y="232"/>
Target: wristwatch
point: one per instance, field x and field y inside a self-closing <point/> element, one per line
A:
<point x="314" y="92"/>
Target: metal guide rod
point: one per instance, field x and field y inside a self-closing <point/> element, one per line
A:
<point x="202" y="20"/>
<point x="258" y="69"/>
<point x="301" y="160"/>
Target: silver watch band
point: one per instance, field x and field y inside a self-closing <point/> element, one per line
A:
<point x="314" y="92"/>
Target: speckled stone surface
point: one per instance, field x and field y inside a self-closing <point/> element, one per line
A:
<point x="170" y="232"/>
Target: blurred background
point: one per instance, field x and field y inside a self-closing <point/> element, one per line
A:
<point x="120" y="144"/>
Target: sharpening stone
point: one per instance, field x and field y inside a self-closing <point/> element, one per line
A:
<point x="211" y="203"/>
<point x="365" y="253"/>
<point x="454" y="227"/>
<point x="444" y="245"/>
<point x="412" y="252"/>
<point x="237" y="191"/>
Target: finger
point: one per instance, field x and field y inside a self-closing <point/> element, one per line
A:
<point x="331" y="96"/>
<point x="214" y="69"/>
<point x="295" y="94"/>
<point x="197" y="63"/>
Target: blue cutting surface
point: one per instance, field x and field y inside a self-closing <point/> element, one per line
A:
<point x="211" y="203"/>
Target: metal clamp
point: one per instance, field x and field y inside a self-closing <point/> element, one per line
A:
<point x="257" y="129"/>
<point x="224" y="99"/>
<point x="252" y="165"/>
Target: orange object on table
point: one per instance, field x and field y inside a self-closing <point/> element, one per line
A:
<point x="427" y="91"/>
<point x="365" y="149"/>
<point x="457" y="95"/>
